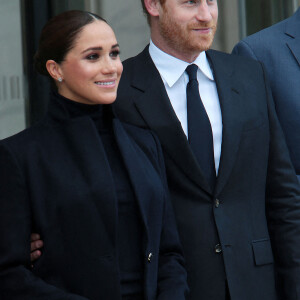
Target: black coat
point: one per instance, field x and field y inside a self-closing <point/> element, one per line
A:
<point x="55" y="180"/>
<point x="246" y="230"/>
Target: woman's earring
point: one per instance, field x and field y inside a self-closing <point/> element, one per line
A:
<point x="59" y="79"/>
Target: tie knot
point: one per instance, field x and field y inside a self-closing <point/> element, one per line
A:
<point x="192" y="71"/>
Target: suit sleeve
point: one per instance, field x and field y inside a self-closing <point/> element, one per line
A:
<point x="17" y="282"/>
<point x="283" y="209"/>
<point x="172" y="277"/>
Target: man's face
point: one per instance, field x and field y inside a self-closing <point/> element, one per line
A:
<point x="187" y="28"/>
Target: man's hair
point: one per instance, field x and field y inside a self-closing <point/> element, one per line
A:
<point x="162" y="2"/>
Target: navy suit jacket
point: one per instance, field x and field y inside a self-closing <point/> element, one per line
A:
<point x="55" y="180"/>
<point x="278" y="47"/>
<point x="247" y="230"/>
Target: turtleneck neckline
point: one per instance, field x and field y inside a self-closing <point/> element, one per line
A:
<point x="101" y="114"/>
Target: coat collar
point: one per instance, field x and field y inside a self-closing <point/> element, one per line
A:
<point x="292" y="30"/>
<point x="156" y="109"/>
<point x="82" y="135"/>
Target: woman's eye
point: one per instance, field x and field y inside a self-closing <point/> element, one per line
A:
<point x="92" y="57"/>
<point x="115" y="53"/>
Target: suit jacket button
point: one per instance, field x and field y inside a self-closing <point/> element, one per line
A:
<point x="150" y="255"/>
<point x="218" y="248"/>
<point x="217" y="203"/>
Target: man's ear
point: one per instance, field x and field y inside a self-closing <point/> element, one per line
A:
<point x="152" y="7"/>
<point x="54" y="70"/>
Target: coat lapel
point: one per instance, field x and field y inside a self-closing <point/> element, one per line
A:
<point x="231" y="107"/>
<point x="91" y="158"/>
<point x="155" y="107"/>
<point x="139" y="170"/>
<point x="292" y="30"/>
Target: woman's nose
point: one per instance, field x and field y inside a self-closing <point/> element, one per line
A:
<point x="109" y="66"/>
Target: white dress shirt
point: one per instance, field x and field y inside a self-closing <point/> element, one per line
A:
<point x="175" y="79"/>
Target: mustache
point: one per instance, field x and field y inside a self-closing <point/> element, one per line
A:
<point x="199" y="26"/>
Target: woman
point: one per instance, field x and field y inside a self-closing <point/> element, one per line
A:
<point x="94" y="188"/>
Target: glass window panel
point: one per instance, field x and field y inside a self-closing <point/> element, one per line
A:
<point x="260" y="14"/>
<point x="59" y="6"/>
<point x="12" y="103"/>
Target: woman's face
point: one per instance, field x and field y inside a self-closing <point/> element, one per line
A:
<point x="92" y="69"/>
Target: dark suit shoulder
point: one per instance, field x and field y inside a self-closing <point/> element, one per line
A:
<point x="137" y="64"/>
<point x="139" y="57"/>
<point x="232" y="63"/>
<point x="230" y="59"/>
<point x="137" y="74"/>
<point x="129" y="61"/>
<point x="261" y="40"/>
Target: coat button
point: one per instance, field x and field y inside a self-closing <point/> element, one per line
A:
<point x="217" y="203"/>
<point x="150" y="255"/>
<point x="218" y="248"/>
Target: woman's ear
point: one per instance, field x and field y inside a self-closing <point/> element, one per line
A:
<point x="152" y="7"/>
<point x="54" y="70"/>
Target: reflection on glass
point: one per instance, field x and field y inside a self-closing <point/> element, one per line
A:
<point x="260" y="14"/>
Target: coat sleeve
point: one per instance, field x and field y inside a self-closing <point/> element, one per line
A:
<point x="17" y="282"/>
<point x="283" y="209"/>
<point x="172" y="277"/>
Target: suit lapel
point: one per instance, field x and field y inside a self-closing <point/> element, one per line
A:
<point x="231" y="107"/>
<point x="157" y="111"/>
<point x="292" y="30"/>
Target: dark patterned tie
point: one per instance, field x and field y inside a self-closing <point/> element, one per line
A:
<point x="199" y="128"/>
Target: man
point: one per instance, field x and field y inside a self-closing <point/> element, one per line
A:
<point x="239" y="221"/>
<point x="278" y="47"/>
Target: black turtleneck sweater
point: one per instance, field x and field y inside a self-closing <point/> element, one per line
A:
<point x="129" y="233"/>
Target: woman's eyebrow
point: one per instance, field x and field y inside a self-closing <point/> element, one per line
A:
<point x="99" y="48"/>
<point x="92" y="48"/>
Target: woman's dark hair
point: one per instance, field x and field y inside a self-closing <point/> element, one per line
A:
<point x="58" y="35"/>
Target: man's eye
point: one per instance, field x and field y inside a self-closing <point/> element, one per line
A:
<point x="115" y="53"/>
<point x="92" y="57"/>
<point x="192" y="2"/>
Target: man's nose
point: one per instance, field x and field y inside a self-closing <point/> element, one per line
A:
<point x="203" y="12"/>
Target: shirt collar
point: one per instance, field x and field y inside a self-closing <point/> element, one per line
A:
<point x="163" y="61"/>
